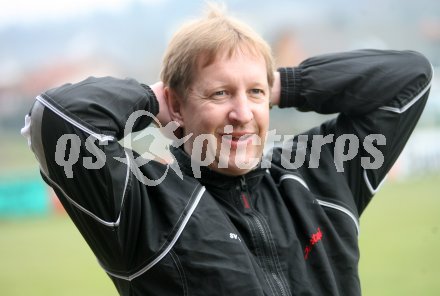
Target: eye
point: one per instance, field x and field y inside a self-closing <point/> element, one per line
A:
<point x="220" y="93"/>
<point x="256" y="92"/>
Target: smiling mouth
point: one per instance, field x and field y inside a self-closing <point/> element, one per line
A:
<point x="238" y="136"/>
<point x="242" y="137"/>
<point x="238" y="139"/>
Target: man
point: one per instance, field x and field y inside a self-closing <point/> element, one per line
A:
<point x="223" y="220"/>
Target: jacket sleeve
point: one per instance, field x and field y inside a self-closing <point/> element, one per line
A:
<point x="73" y="131"/>
<point x="379" y="96"/>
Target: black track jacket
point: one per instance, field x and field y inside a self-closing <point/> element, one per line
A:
<point x="281" y="229"/>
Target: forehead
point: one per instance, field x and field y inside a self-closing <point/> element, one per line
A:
<point x="226" y="65"/>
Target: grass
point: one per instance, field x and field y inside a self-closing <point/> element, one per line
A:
<point x="399" y="241"/>
<point x="48" y="256"/>
<point x="15" y="154"/>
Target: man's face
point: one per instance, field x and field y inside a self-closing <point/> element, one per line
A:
<point x="227" y="112"/>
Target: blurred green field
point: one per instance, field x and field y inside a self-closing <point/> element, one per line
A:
<point x="400" y="243"/>
<point x="400" y="239"/>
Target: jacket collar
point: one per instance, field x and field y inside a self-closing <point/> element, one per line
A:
<point x="211" y="178"/>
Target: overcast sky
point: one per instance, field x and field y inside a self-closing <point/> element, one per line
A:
<point x="31" y="11"/>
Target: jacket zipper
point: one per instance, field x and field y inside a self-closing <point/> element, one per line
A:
<point x="261" y="237"/>
<point x="244" y="194"/>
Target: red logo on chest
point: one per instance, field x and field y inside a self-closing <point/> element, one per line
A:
<point x="315" y="238"/>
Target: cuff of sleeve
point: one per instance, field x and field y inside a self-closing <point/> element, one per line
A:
<point x="290" y="86"/>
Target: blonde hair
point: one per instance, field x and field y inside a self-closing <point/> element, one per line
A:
<point x="206" y="38"/>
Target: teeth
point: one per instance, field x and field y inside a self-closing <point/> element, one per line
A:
<point x="243" y="137"/>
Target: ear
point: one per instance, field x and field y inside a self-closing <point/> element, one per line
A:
<point x="174" y="104"/>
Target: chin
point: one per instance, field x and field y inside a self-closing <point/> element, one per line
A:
<point x="232" y="171"/>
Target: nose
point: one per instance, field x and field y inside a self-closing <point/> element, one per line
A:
<point x="241" y="111"/>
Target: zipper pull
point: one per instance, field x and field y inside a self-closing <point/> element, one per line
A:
<point x="243" y="184"/>
<point x="245" y="195"/>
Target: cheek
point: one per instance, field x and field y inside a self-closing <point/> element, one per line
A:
<point x="262" y="120"/>
<point x="200" y="123"/>
<point x="210" y="119"/>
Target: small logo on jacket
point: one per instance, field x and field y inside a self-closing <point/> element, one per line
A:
<point x="234" y="236"/>
<point x="314" y="239"/>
